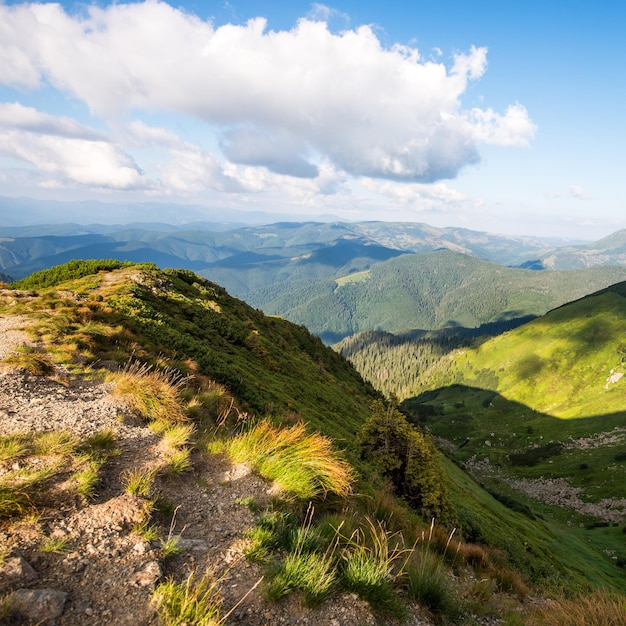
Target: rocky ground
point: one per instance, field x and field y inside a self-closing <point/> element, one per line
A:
<point x="106" y="573"/>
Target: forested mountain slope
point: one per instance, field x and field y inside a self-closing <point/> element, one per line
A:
<point x="427" y="292"/>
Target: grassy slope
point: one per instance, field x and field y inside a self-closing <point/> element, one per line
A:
<point x="271" y="365"/>
<point x="558" y="364"/>
<point x="506" y="401"/>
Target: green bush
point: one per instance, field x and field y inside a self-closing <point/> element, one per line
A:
<point x="407" y="458"/>
<point x="68" y="271"/>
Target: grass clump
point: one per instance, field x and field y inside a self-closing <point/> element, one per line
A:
<point x="86" y="480"/>
<point x="55" y="442"/>
<point x="13" y="447"/>
<point x="270" y="532"/>
<point x="152" y="393"/>
<point x="195" y="601"/>
<point x="309" y="572"/>
<point x="177" y="436"/>
<point x="13" y="502"/>
<point x="31" y="360"/>
<point x="55" y="545"/>
<point x="139" y="482"/>
<point x="178" y="462"/>
<point x="369" y="568"/>
<point x="599" y="608"/>
<point x="428" y="583"/>
<point x="305" y="568"/>
<point x="302" y="465"/>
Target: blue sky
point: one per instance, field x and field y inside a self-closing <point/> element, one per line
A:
<point x="498" y="116"/>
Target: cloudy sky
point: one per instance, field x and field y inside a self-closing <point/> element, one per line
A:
<point x="492" y="115"/>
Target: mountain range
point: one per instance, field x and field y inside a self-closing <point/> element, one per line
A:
<point x="341" y="278"/>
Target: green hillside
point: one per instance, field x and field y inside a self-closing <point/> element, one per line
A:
<point x="568" y="363"/>
<point x="427" y="291"/>
<point x="538" y="416"/>
<point x="185" y="317"/>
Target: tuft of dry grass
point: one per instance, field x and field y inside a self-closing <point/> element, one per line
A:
<point x="598" y="608"/>
<point x="31" y="360"/>
<point x="152" y="393"/>
<point x="303" y="465"/>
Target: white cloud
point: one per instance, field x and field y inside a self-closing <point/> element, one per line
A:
<point x="417" y="196"/>
<point x="514" y="128"/>
<point x="579" y="193"/>
<point x="278" y="97"/>
<point x="64" y="148"/>
<point x="16" y="116"/>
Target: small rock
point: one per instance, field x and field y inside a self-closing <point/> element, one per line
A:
<point x="198" y="545"/>
<point x="17" y="570"/>
<point x="38" y="605"/>
<point x="147" y="576"/>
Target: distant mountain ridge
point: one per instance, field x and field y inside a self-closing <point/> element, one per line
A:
<point x="30" y="248"/>
<point x="341" y="278"/>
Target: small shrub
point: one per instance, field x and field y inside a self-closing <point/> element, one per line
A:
<point x="407" y="458"/>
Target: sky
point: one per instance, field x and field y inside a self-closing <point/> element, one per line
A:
<point x="500" y="116"/>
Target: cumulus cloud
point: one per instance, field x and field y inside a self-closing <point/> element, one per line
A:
<point x="281" y="153"/>
<point x="417" y="196"/>
<point x="64" y="148"/>
<point x="278" y="97"/>
<point x="579" y="193"/>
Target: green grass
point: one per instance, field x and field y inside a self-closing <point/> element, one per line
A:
<point x="139" y="482"/>
<point x="428" y="582"/>
<point x="194" y="601"/>
<point x="311" y="573"/>
<point x="303" y="465"/>
<point x="55" y="545"/>
<point x="33" y="361"/>
<point x="178" y="462"/>
<point x="13" y="447"/>
<point x="86" y="480"/>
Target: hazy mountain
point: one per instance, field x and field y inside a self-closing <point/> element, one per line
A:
<point x="608" y="251"/>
